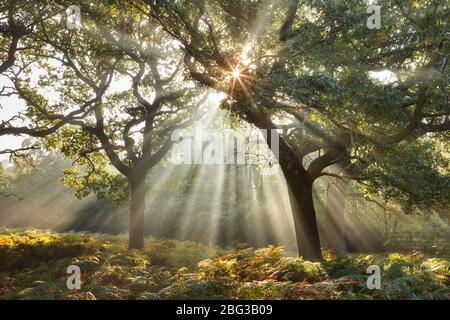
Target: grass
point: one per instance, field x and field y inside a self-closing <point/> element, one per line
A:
<point x="33" y="266"/>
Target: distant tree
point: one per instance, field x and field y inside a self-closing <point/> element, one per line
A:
<point x="3" y="181"/>
<point x="413" y="175"/>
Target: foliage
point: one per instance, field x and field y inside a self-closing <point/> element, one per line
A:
<point x="421" y="182"/>
<point x="4" y="179"/>
<point x="36" y="263"/>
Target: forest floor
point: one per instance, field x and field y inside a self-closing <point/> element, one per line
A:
<point x="33" y="265"/>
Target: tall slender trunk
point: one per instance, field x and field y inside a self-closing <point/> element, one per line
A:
<point x="335" y="231"/>
<point x="137" y="210"/>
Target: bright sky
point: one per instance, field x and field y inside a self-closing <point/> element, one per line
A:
<point x="384" y="76"/>
<point x="9" y="106"/>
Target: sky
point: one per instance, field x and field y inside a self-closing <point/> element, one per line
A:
<point x="9" y="106"/>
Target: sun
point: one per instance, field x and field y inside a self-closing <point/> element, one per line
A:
<point x="236" y="73"/>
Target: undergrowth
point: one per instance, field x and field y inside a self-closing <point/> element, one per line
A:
<point x="33" y="266"/>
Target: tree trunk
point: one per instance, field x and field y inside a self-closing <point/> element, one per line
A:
<point x="300" y="185"/>
<point x="335" y="231"/>
<point x="137" y="210"/>
<point x="301" y="199"/>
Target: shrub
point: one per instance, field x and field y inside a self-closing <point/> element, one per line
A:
<point x="34" y="267"/>
<point x="177" y="254"/>
<point x="345" y="266"/>
<point x="296" y="269"/>
<point x="267" y="290"/>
